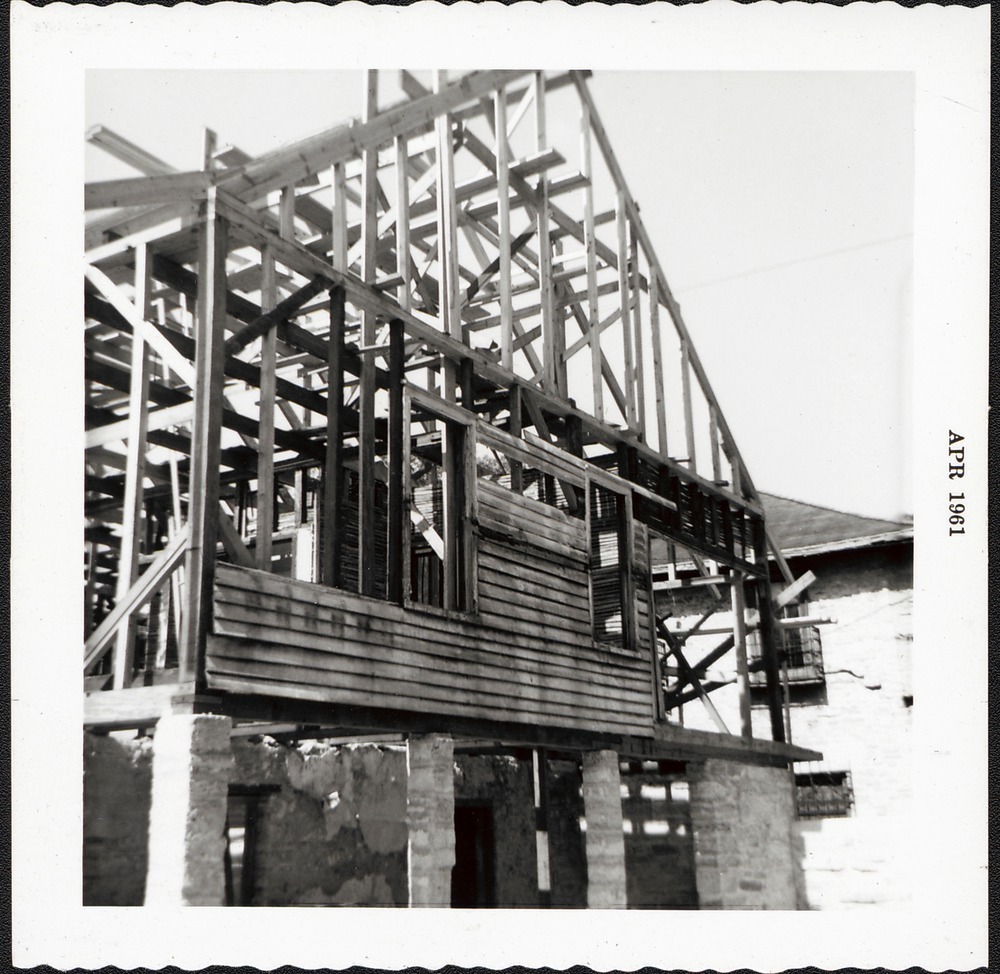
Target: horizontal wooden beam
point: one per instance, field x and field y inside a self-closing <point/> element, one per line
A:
<point x="145" y="190"/>
<point x="665" y="741"/>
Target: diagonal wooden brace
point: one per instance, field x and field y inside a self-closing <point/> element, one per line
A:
<point x="280" y="312"/>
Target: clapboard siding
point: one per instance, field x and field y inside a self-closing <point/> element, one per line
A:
<point x="527" y="655"/>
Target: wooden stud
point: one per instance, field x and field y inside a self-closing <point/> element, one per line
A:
<point x="208" y="150"/>
<point x="366" y="402"/>
<point x="339" y="227"/>
<point x="203" y="481"/>
<point x="402" y="224"/>
<point x="623" y="292"/>
<point x="514" y="428"/>
<point x="504" y="257"/>
<point x="657" y="343"/>
<point x="635" y="301"/>
<point x="713" y="434"/>
<point x="594" y="334"/>
<point x="740" y="642"/>
<point x="396" y="525"/>
<point x="333" y="476"/>
<point x="692" y="461"/>
<point x="549" y="341"/>
<point x="128" y="563"/>
<point x="265" y="436"/>
<point x="768" y="635"/>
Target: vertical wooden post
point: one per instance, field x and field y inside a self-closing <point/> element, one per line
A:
<point x="209" y="143"/>
<point x="366" y="400"/>
<point x="540" y="775"/>
<point x="593" y="320"/>
<point x="402" y="224"/>
<point x="635" y="301"/>
<point x="549" y="341"/>
<point x="333" y="476"/>
<point x="768" y="636"/>
<point x="740" y="641"/>
<point x="503" y="213"/>
<point x="574" y="435"/>
<point x="657" y="342"/>
<point x="451" y="323"/>
<point x="203" y="481"/>
<point x="623" y="293"/>
<point x="265" y="437"/>
<point x="626" y="547"/>
<point x="688" y="415"/>
<point x="713" y="434"/>
<point x="451" y="466"/>
<point x="514" y="428"/>
<point x="135" y="467"/>
<point x="339" y="223"/>
<point x="394" y="587"/>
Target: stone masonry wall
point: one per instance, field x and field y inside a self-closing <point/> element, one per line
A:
<point x="505" y="783"/>
<point x="116" y="791"/>
<point x="860" y="721"/>
<point x="862" y="727"/>
<point x="742" y="818"/>
<point x="335" y="832"/>
<point x="567" y="848"/>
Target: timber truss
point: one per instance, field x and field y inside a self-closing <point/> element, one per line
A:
<point x="252" y="327"/>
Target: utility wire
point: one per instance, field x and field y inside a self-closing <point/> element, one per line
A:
<point x="792" y="263"/>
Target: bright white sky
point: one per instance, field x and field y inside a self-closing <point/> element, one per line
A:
<point x="780" y="205"/>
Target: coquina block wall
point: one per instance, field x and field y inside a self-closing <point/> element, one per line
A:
<point x="335" y="830"/>
<point x="116" y="792"/>
<point x="333" y="827"/>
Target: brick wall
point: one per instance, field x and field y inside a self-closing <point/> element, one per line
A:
<point x="335" y="832"/>
<point x="116" y="790"/>
<point x="742" y="817"/>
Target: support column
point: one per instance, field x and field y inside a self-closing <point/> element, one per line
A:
<point x="742" y="819"/>
<point x="192" y="760"/>
<point x="430" y="815"/>
<point x="602" y="807"/>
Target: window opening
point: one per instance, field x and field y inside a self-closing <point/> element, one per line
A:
<point x="800" y="646"/>
<point x="440" y="551"/>
<point x="608" y="553"/>
<point x="824" y="794"/>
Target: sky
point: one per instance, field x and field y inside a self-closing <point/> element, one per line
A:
<point x="779" y="204"/>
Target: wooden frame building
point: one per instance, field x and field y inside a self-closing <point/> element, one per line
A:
<point x="381" y="427"/>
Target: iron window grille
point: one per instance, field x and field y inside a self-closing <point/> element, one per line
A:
<point x="824" y="794"/>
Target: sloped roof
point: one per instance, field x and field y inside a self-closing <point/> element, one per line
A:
<point x="799" y="528"/>
<point x="796" y="526"/>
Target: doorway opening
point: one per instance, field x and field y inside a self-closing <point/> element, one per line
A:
<point x="473" y="879"/>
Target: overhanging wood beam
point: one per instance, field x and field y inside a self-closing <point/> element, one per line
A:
<point x="128" y="152"/>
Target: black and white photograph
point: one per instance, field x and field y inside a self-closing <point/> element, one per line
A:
<point x="497" y="490"/>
